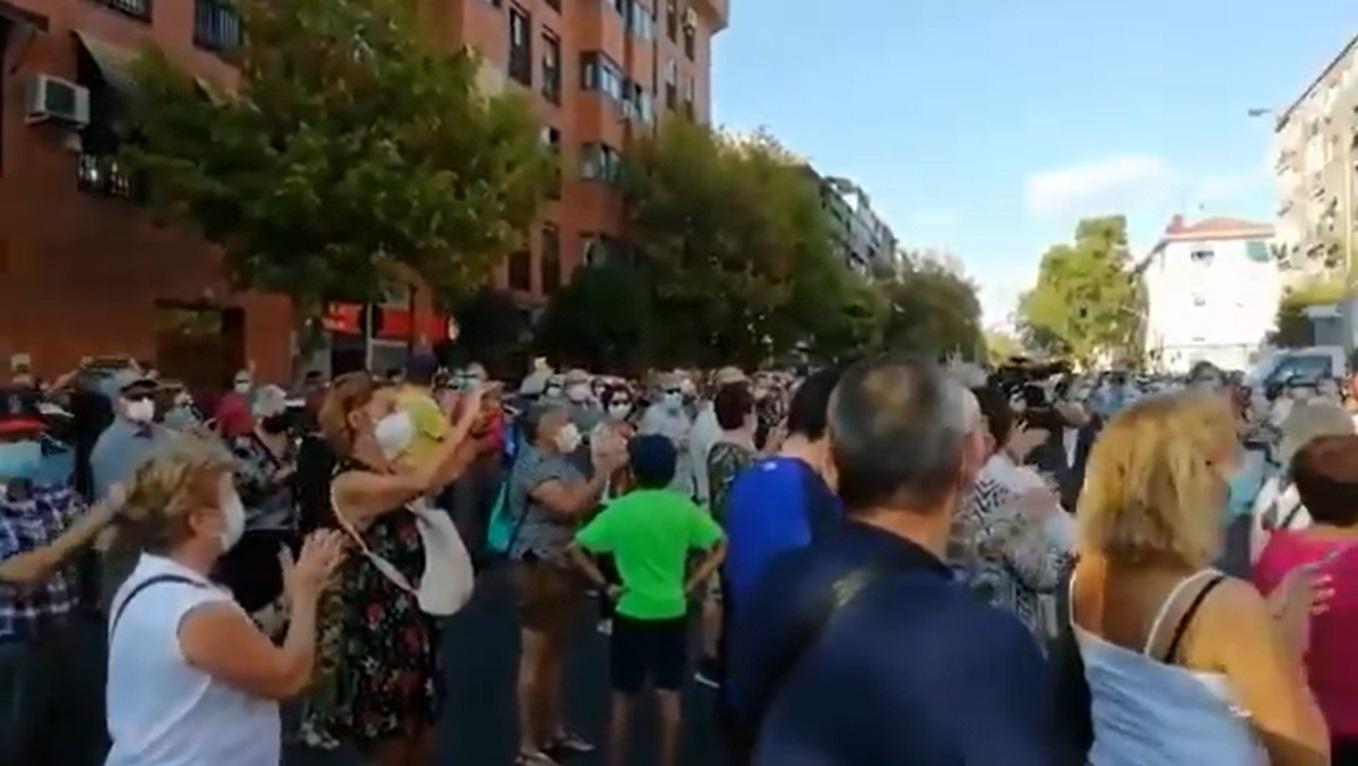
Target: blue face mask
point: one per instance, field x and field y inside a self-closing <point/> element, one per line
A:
<point x="1245" y="484"/>
<point x="20" y="460"/>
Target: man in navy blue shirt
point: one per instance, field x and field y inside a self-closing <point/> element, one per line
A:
<point x="860" y="649"/>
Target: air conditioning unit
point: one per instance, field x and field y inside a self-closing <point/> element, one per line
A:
<point x="55" y="99"/>
<point x="690" y="18"/>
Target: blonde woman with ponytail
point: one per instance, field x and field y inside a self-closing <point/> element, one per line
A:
<point x="190" y="679"/>
<point x="1184" y="664"/>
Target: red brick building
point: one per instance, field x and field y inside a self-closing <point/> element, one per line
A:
<point x="85" y="271"/>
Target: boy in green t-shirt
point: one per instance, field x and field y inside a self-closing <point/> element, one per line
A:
<point x="649" y="533"/>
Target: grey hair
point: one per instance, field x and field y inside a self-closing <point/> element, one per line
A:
<point x="898" y="428"/>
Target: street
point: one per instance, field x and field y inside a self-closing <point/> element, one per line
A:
<point x="478" y="727"/>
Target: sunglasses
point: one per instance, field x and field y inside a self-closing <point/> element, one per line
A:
<point x="139" y="397"/>
<point x="674" y="390"/>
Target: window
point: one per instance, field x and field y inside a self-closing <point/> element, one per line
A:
<point x="1202" y="256"/>
<point x="138" y="9"/>
<point x="551" y="67"/>
<point x="551" y="260"/>
<point x="520" y="46"/>
<point x="672" y="20"/>
<point x="640" y="21"/>
<point x="1257" y="251"/>
<point x="599" y="249"/>
<point x="672" y="84"/>
<point x="521" y="271"/>
<point x="101" y="174"/>
<point x="637" y="103"/>
<point x="554" y="5"/>
<point x="690" y="96"/>
<point x="601" y="73"/>
<point x="690" y="39"/>
<point x="600" y="162"/>
<point x="216" y="26"/>
<point x="551" y="138"/>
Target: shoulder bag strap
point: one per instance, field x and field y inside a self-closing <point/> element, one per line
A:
<point x="814" y="622"/>
<point x="1193" y="606"/>
<point x="387" y="569"/>
<point x="143" y="585"/>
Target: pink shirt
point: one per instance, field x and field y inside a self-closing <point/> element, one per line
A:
<point x="1332" y="662"/>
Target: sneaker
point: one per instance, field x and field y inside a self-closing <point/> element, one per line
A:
<point x="570" y="743"/>
<point x="708" y="673"/>
<point x="534" y="758"/>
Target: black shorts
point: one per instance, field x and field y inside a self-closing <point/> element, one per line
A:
<point x="648" y="650"/>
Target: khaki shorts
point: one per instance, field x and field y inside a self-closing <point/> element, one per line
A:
<point x="547" y="597"/>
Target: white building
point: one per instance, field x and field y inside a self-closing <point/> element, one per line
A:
<point x="1212" y="291"/>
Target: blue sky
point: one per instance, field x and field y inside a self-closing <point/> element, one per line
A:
<point x="989" y="127"/>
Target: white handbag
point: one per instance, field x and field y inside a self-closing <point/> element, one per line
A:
<point x="448" y="579"/>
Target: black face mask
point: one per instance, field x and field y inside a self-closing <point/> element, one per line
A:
<point x="275" y="424"/>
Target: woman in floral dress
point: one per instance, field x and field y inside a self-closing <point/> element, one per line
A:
<point x="381" y="684"/>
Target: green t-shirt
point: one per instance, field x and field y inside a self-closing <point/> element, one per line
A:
<point x="649" y="533"/>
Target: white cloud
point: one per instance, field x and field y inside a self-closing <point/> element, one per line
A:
<point x="1112" y="182"/>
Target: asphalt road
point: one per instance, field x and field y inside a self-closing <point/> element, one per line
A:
<point x="478" y="727"/>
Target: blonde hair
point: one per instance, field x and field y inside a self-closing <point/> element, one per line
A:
<point x="1151" y="487"/>
<point x="176" y="480"/>
<point x="348" y="392"/>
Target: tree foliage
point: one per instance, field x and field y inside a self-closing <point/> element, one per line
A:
<point x="1087" y="301"/>
<point x="1293" y="327"/>
<point x="349" y="151"/>
<point x="1001" y="346"/>
<point x="602" y="320"/>
<point x="493" y="331"/>
<point x="735" y="246"/>
<point x="932" y="310"/>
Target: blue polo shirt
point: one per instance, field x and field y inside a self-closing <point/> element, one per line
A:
<point x="775" y="505"/>
<point x="121" y="448"/>
<point x="910" y="670"/>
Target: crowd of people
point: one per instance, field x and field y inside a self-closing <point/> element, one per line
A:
<point x="892" y="561"/>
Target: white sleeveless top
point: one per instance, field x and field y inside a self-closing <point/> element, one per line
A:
<point x="161" y="710"/>
<point x="1146" y="712"/>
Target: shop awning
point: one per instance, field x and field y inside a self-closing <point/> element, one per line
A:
<point x="114" y="62"/>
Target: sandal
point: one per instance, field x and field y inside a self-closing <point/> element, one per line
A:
<point x="570" y="743"/>
<point x="534" y="758"/>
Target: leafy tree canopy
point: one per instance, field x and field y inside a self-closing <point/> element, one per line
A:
<point x="932" y="310"/>
<point x="1087" y="301"/>
<point x="735" y="244"/>
<point x="603" y="320"/>
<point x="1293" y="327"/>
<point x="349" y="151"/>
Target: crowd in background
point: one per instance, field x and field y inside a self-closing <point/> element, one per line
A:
<point x="895" y="541"/>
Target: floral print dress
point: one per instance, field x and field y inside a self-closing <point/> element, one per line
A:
<point x="380" y="673"/>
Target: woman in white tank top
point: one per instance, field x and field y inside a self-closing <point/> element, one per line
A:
<point x="191" y="681"/>
<point x="1184" y="665"/>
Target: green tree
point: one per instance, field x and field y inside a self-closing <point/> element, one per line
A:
<point x="350" y="153"/>
<point x="1001" y="346"/>
<point x="1087" y="301"/>
<point x="736" y="248"/>
<point x="1293" y="327"/>
<point x="493" y="331"/>
<point x="602" y="320"/>
<point x="931" y="310"/>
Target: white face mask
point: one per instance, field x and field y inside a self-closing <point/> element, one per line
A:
<point x="568" y="439"/>
<point x="242" y="386"/>
<point x="673" y="402"/>
<point x="141" y="410"/>
<point x="233" y="512"/>
<point x="394" y="434"/>
<point x="578" y="393"/>
<point x="1301" y="394"/>
<point x="620" y="411"/>
<point x="552" y="392"/>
